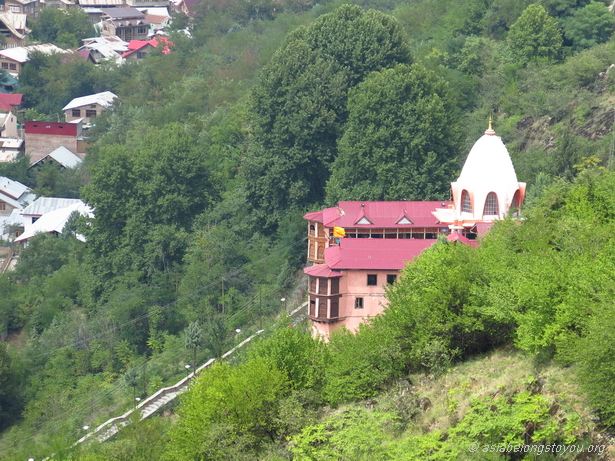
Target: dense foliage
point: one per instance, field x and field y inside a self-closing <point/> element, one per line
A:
<point x="199" y="176"/>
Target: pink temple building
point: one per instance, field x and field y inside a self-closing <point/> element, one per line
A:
<point x="348" y="277"/>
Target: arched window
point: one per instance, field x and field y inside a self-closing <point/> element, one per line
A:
<point x="491" y="205"/>
<point x="466" y="204"/>
<point x="515" y="204"/>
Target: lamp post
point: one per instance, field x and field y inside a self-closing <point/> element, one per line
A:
<point x="137" y="400"/>
<point x="283" y="301"/>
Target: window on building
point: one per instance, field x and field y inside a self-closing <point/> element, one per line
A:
<point x="2" y="206"/>
<point x="391" y="278"/>
<point x="372" y="279"/>
<point x="76" y="112"/>
<point x="141" y="54"/>
<point x="142" y="30"/>
<point x="312" y="229"/>
<point x="90" y="113"/>
<point x="358" y="303"/>
<point x="335" y="286"/>
<point x="12" y="66"/>
<point x="491" y="205"/>
<point x="466" y="204"/>
<point x="5" y="65"/>
<point x="514" y="205"/>
<point x="34" y="219"/>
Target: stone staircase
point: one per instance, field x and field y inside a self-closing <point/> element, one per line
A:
<point x="162" y="397"/>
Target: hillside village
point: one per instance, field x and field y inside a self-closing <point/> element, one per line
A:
<point x="307" y="230"/>
<point x="126" y="32"/>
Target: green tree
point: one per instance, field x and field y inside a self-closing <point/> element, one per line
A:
<point x="228" y="405"/>
<point x="9" y="397"/>
<point x="64" y="28"/>
<point x="400" y="139"/>
<point x="589" y="25"/>
<point x="193" y="341"/>
<point x="146" y="195"/>
<point x="535" y="35"/>
<point x="298" y="106"/>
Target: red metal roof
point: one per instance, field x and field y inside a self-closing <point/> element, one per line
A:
<point x="321" y="270"/>
<point x="382" y="214"/>
<point x="8" y="101"/>
<point x="460" y="238"/>
<point x="136" y="45"/>
<point x="379" y="254"/>
<point x="313" y="216"/>
<point x="52" y="128"/>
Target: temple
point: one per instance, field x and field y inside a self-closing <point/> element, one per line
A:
<point x="358" y="248"/>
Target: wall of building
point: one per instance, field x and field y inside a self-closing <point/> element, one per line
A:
<point x="80" y="112"/>
<point x="5" y="208"/>
<point x="9" y="65"/>
<point x="40" y="145"/>
<point x="353" y="285"/>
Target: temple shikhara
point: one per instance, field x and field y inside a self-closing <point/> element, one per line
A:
<point x="357" y="248"/>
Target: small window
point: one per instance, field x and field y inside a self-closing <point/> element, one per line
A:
<point x="391" y="278"/>
<point x="90" y="113"/>
<point x="76" y="112"/>
<point x="13" y="66"/>
<point x="5" y="65"/>
<point x="466" y="204"/>
<point x="312" y="229"/>
<point x="358" y="303"/>
<point x="491" y="205"/>
<point x="372" y="279"/>
<point x="141" y="54"/>
<point x="2" y="206"/>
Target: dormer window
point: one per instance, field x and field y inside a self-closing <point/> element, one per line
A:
<point x="491" y="205"/>
<point x="404" y="220"/>
<point x="363" y="220"/>
<point x="466" y="204"/>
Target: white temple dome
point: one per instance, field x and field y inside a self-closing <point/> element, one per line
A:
<point x="487" y="185"/>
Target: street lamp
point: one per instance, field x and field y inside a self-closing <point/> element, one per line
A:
<point x="238" y="330"/>
<point x="137" y="400"/>
<point x="187" y="367"/>
<point x="283" y="301"/>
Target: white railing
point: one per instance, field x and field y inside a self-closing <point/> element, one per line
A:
<point x="160" y="398"/>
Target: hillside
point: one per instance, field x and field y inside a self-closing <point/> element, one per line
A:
<point x="200" y="178"/>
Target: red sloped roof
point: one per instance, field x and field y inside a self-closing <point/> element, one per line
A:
<point x="321" y="270"/>
<point x="377" y="254"/>
<point x="313" y="216"/>
<point x="8" y="101"/>
<point x="460" y="238"/>
<point x="382" y="214"/>
<point x="136" y="45"/>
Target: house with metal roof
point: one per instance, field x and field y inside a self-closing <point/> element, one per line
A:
<point x="13" y="195"/>
<point x="125" y="22"/>
<point x="13" y="59"/>
<point x="13" y="29"/>
<point x="87" y="108"/>
<point x="54" y="221"/>
<point x="61" y="157"/>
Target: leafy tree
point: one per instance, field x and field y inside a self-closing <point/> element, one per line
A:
<point x="228" y="405"/>
<point x="400" y="140"/>
<point x="535" y="35"/>
<point x="193" y="340"/>
<point x="587" y="26"/>
<point x="9" y="397"/>
<point x="298" y="107"/>
<point x="64" y="28"/>
<point x="146" y="196"/>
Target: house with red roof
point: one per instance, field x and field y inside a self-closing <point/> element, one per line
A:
<point x="357" y="248"/>
<point x="138" y="49"/>
<point x="10" y="101"/>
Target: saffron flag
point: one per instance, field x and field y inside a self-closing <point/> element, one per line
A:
<point x="339" y="232"/>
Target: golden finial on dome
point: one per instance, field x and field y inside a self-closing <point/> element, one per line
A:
<point x="490" y="130"/>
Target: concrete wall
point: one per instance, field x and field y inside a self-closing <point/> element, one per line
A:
<point x="39" y="145"/>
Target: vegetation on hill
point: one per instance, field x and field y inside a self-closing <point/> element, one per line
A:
<point x="199" y="177"/>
